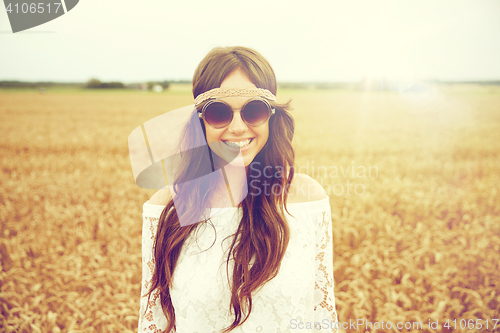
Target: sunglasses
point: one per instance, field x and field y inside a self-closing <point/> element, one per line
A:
<point x="219" y="114"/>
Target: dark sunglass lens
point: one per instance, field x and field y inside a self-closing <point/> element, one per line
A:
<point x="218" y="114"/>
<point x="256" y="112"/>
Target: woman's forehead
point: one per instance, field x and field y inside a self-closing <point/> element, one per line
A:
<point x="237" y="101"/>
<point x="237" y="79"/>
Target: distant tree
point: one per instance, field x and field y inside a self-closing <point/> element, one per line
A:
<point x="17" y="84"/>
<point x="93" y="84"/>
<point x="114" y="85"/>
<point x="165" y="84"/>
<point x="97" y="84"/>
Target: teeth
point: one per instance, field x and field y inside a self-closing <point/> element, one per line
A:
<point x="240" y="144"/>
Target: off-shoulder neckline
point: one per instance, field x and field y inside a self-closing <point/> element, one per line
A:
<point x="291" y="204"/>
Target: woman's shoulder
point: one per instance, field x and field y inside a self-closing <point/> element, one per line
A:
<point x="305" y="189"/>
<point x="302" y="189"/>
<point x="161" y="197"/>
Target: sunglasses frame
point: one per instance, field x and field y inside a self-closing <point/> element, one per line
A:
<point x="269" y="106"/>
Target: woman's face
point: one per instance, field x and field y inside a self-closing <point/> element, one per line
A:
<point x="237" y="131"/>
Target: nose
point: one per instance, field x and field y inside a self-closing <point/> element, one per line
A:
<point x="237" y="125"/>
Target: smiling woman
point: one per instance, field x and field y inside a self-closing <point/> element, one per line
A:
<point x="238" y="134"/>
<point x="261" y="263"/>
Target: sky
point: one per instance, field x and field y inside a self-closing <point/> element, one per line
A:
<point x="305" y="41"/>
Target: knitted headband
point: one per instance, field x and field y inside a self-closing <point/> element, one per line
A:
<point x="229" y="92"/>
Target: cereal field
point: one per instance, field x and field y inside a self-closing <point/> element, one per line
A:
<point x="414" y="185"/>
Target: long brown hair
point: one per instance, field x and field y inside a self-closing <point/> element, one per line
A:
<point x="262" y="237"/>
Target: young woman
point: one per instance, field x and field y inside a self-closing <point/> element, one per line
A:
<point x="262" y="261"/>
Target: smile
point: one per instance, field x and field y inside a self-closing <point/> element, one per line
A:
<point x="240" y="144"/>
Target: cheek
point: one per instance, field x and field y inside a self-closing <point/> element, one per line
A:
<point x="212" y="135"/>
<point x="214" y="140"/>
<point x="263" y="135"/>
<point x="265" y="132"/>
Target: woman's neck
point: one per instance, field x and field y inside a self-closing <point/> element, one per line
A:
<point x="233" y="188"/>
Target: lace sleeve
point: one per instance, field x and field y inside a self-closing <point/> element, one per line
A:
<point x="324" y="298"/>
<point x="151" y="317"/>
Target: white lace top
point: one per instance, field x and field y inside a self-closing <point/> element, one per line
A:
<point x="299" y="299"/>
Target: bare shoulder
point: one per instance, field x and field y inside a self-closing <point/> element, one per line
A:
<point x="162" y="197"/>
<point x="304" y="189"/>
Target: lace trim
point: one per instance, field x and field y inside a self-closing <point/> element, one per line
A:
<point x="147" y="316"/>
<point x="229" y="92"/>
<point x="324" y="281"/>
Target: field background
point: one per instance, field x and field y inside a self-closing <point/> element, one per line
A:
<point x="421" y="242"/>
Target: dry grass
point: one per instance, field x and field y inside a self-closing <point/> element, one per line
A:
<point x="422" y="242"/>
